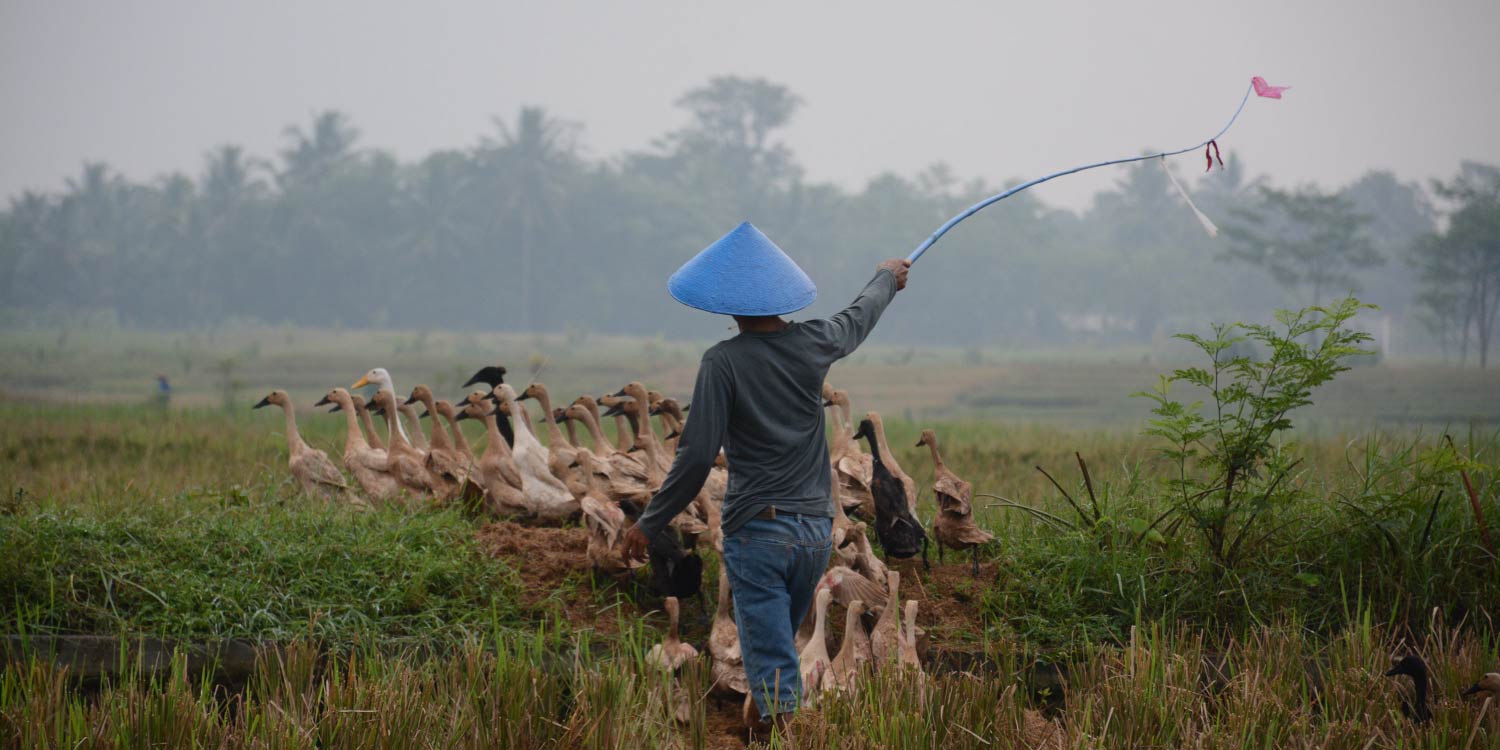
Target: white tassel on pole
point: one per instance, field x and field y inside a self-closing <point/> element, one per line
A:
<point x="1208" y="226"/>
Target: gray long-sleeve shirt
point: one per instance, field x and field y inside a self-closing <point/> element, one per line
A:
<point x="759" y="397"/>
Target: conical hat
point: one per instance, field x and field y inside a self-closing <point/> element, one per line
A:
<point x="744" y="273"/>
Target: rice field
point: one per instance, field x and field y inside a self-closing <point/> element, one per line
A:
<point x="425" y="626"/>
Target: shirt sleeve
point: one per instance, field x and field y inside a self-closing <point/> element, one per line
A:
<point x="697" y="448"/>
<point x="847" y="329"/>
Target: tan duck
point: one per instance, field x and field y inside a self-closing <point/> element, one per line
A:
<point x="559" y="417"/>
<point x="625" y="427"/>
<point x="724" y="646"/>
<point x="549" y="497"/>
<point x="1487" y="686"/>
<point x="311" y="467"/>
<point x="813" y="659"/>
<point x="637" y="393"/>
<point x="954" y="526"/>
<point x="885" y="639"/>
<point x="866" y="562"/>
<point x="848" y="586"/>
<point x="496" y="468"/>
<point x="605" y="521"/>
<point x="844" y="670"/>
<point x="627" y="477"/>
<point x="907" y="650"/>
<point x="561" y="455"/>
<point x="405" y="463"/>
<point x="446" y="463"/>
<point x="670" y="413"/>
<point x="367" y="464"/>
<point x="853" y="468"/>
<point x="671" y="653"/>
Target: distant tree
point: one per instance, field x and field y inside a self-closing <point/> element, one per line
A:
<point x="529" y="166"/>
<point x="1460" y="266"/>
<point x="1303" y="238"/>
<point x="311" y="156"/>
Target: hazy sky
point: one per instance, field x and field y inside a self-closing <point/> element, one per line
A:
<point x="995" y="89"/>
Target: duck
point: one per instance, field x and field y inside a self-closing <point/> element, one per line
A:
<point x="447" y="464"/>
<point x="954" y="525"/>
<point x="866" y="562"/>
<point x="496" y="468"/>
<point x="1487" y="685"/>
<point x="605" y="521"/>
<point x="848" y="585"/>
<point x="550" y="499"/>
<point x="365" y="422"/>
<point x="558" y="417"/>
<point x="900" y="533"/>
<point x="381" y="378"/>
<point x="844" y="670"/>
<point x="367" y="464"/>
<point x="627" y="477"/>
<point x="729" y="679"/>
<point x="671" y="653"/>
<point x="405" y="463"/>
<point x="813" y="660"/>
<point x="907" y="648"/>
<point x="1419" y="712"/>
<point x="470" y="490"/>
<point x="670" y="413"/>
<point x="561" y="455"/>
<point x="311" y="467"/>
<point x="625" y="426"/>
<point x="853" y="468"/>
<point x="885" y="638"/>
<point x="490" y="377"/>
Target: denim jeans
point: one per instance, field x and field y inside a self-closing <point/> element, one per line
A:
<point x="774" y="566"/>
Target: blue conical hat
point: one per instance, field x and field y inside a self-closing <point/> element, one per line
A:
<point x="744" y="273"/>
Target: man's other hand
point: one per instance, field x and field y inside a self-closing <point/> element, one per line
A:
<point x="898" y="268"/>
<point x="636" y="544"/>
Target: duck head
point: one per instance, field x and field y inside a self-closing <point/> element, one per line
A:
<point x="277" y="397"/>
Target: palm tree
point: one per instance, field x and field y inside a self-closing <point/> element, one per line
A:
<point x="531" y="164"/>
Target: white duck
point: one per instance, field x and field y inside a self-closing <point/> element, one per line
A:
<point x="549" y="497"/>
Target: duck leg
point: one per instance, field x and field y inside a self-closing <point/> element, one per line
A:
<point x="925" y="564"/>
<point x="940" y="551"/>
<point x="975" y="550"/>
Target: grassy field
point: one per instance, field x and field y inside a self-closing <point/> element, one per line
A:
<point x="420" y="626"/>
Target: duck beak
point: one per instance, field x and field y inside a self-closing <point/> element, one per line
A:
<point x="613" y="410"/>
<point x="378" y="411"/>
<point x="1472" y="689"/>
<point x="621" y="392"/>
<point x="633" y="449"/>
<point x="424" y="414"/>
<point x="462" y="416"/>
<point x="827" y="402"/>
<point x="362" y="382"/>
<point x="573" y="465"/>
<point x="655" y="410"/>
<point x="323" y="401"/>
<point x="1392" y="672"/>
<point x="263" y="402"/>
<point x="559" y="419"/>
<point x="921" y="443"/>
<point x="686" y="407"/>
<point x="409" y="401"/>
<point x="335" y="408"/>
<point x="674" y="434"/>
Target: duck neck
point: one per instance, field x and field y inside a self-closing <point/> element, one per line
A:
<point x="496" y="442"/>
<point x="624" y="432"/>
<point x="932" y="445"/>
<point x="722" y="613"/>
<point x="572" y="435"/>
<point x="875" y="450"/>
<point x="518" y="412"/>
<point x="394" y="433"/>
<point x="819" y="634"/>
<point x="353" y="436"/>
<point x="369" y="427"/>
<point x="439" y="439"/>
<point x="293" y="437"/>
<point x="416" y="437"/>
<point x="602" y="446"/>
<point x="459" y="441"/>
<point x="885" y="448"/>
<point x="554" y="435"/>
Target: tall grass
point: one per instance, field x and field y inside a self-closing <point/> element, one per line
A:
<point x="1273" y="687"/>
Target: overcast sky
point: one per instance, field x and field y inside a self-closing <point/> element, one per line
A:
<point x="996" y="89"/>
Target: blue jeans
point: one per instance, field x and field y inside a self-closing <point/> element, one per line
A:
<point x="774" y="566"/>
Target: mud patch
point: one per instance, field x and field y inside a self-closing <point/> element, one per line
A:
<point x="554" y="566"/>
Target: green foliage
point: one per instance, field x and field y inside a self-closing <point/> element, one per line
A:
<point x="235" y="567"/>
<point x="1230" y="462"/>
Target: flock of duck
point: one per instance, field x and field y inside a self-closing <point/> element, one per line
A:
<point x="607" y="484"/>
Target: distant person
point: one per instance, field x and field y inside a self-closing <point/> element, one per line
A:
<point x="163" y="391"/>
<point x="759" y="397"/>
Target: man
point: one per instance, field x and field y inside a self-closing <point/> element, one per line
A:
<point x="758" y="396"/>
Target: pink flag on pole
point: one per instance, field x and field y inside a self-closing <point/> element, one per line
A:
<point x="1265" y="89"/>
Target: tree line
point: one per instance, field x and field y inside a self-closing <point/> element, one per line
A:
<point x="521" y="231"/>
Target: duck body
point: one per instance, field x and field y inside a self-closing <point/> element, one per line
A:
<point x="496" y="470"/>
<point x="954" y="525"/>
<point x="367" y="464"/>
<point x="314" y="472"/>
<point x="729" y="679"/>
<point x="1418" y="710"/>
<point x="813" y="660"/>
<point x="549" y="498"/>
<point x="898" y="529"/>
